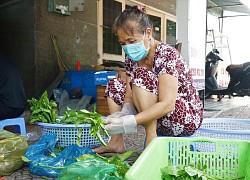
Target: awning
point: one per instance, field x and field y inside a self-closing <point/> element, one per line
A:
<point x="217" y="7"/>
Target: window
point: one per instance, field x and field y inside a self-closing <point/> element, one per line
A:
<point x="156" y="26"/>
<point x="111" y="9"/>
<point x="171" y="32"/>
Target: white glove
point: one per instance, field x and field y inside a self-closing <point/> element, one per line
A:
<point x="127" y="109"/>
<point x="125" y="124"/>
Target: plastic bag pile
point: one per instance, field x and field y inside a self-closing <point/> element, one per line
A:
<point x="12" y="147"/>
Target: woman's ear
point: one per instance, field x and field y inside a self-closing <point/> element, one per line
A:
<point x="149" y="32"/>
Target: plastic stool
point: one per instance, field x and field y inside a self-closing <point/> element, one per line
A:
<point x="14" y="121"/>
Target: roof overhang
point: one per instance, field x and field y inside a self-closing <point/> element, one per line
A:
<point x="219" y="7"/>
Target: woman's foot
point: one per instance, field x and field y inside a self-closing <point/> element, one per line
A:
<point x="115" y="145"/>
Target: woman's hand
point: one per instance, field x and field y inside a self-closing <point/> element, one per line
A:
<point x="118" y="125"/>
<point x="127" y="109"/>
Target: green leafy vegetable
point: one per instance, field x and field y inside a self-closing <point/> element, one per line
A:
<point x="118" y="160"/>
<point x="182" y="173"/>
<point x="25" y="159"/>
<point x="187" y="172"/>
<point x="59" y="149"/>
<point x="85" y="117"/>
<point x="79" y="135"/>
<point x="52" y="154"/>
<point x="43" y="110"/>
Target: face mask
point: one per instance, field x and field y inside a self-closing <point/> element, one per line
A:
<point x="136" y="51"/>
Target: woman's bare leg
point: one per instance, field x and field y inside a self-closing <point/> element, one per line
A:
<point x="116" y="143"/>
<point x="144" y="100"/>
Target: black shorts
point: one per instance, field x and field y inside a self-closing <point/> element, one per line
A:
<point x="7" y="112"/>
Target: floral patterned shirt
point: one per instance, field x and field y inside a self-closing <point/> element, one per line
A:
<point x="188" y="113"/>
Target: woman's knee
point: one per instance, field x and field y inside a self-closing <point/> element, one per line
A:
<point x="142" y="98"/>
<point x="113" y="106"/>
<point x="116" y="89"/>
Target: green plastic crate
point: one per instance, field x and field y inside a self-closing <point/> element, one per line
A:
<point x="228" y="159"/>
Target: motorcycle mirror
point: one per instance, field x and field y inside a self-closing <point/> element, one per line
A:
<point x="218" y="58"/>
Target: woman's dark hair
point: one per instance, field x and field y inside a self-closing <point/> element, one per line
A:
<point x="135" y="14"/>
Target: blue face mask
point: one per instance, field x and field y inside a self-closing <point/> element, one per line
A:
<point x="136" y="51"/>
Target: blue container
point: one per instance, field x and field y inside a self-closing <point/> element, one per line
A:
<point x="83" y="79"/>
<point x="103" y="77"/>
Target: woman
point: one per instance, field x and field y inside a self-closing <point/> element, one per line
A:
<point x="159" y="95"/>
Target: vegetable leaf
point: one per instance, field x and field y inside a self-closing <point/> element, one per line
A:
<point x="79" y="135"/>
<point x="43" y="110"/>
<point x="86" y="117"/>
<point x="25" y="159"/>
<point x="117" y="160"/>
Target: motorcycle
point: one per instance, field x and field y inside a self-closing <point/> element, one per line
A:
<point x="239" y="84"/>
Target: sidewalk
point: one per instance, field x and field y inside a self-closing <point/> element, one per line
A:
<point x="237" y="107"/>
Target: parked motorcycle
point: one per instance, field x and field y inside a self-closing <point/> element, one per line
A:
<point x="239" y="84"/>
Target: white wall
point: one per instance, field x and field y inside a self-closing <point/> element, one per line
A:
<point x="191" y="22"/>
<point x="182" y="26"/>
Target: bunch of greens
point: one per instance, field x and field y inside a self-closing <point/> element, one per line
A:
<point x="187" y="172"/>
<point x="43" y="110"/>
<point x="85" y="117"/>
<point x="118" y="160"/>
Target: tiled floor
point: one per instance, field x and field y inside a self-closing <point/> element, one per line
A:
<point x="215" y="108"/>
<point x="226" y="103"/>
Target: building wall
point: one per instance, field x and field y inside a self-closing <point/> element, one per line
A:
<point x="163" y="5"/>
<point x="76" y="37"/>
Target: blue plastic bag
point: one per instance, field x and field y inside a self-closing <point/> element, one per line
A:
<point x="44" y="164"/>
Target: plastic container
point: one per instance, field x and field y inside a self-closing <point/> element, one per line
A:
<point x="224" y="128"/>
<point x="103" y="77"/>
<point x="229" y="160"/>
<point x="67" y="134"/>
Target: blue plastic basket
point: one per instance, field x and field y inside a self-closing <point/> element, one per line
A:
<point x="224" y="128"/>
<point x="221" y="128"/>
<point x="67" y="134"/>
